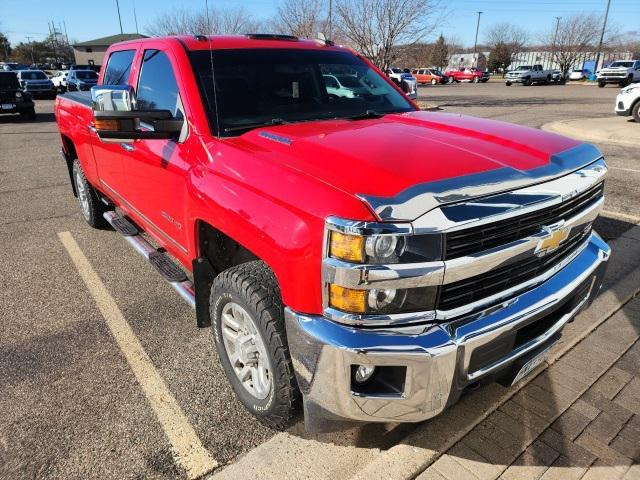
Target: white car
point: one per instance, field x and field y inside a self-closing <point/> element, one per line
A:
<point x="622" y="72"/>
<point x="344" y="86"/>
<point x="578" y="74"/>
<point x="628" y="102"/>
<point x="60" y="80"/>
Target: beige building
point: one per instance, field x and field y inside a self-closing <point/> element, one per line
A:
<point x="92" y="52"/>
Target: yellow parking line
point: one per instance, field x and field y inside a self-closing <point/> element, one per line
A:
<point x="186" y="446"/>
<point x="624" y="169"/>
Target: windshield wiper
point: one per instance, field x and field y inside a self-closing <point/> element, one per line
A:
<point x="273" y="121"/>
<point x="366" y="114"/>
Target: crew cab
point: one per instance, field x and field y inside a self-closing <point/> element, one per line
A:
<point x="466" y="74"/>
<point x="371" y="259"/>
<point x="622" y="72"/>
<point x="528" y="75"/>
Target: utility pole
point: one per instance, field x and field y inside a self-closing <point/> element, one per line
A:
<point x="604" y="27"/>
<point x="555" y="38"/>
<point x="330" y="19"/>
<point x="475" y="44"/>
<point x="119" y="19"/>
<point x="31" y="48"/>
<point x="135" y="17"/>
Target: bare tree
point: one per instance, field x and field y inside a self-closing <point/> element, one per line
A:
<point x="575" y="36"/>
<point x="182" y="22"/>
<point x="302" y="18"/>
<point x="375" y="27"/>
<point x="504" y="41"/>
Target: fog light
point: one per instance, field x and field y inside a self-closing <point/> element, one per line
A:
<point x="363" y="373"/>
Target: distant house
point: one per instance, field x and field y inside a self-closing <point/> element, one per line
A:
<point x="92" y="52"/>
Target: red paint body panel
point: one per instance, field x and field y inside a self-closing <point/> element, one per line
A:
<point x="271" y="197"/>
<point x="464" y="74"/>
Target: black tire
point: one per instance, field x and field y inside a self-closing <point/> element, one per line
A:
<point x="635" y="111"/>
<point x="629" y="80"/>
<point x="475" y="80"/>
<point x="601" y="84"/>
<point x="94" y="208"/>
<point x="526" y="82"/>
<point x="253" y="287"/>
<point x="508" y="84"/>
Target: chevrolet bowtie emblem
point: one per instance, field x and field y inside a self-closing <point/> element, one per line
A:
<point x="552" y="239"/>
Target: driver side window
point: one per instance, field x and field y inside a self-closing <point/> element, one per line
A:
<point x="157" y="85"/>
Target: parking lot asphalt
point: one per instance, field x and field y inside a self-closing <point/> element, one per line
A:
<point x="70" y="406"/>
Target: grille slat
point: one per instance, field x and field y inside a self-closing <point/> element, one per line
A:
<point x="484" y="237"/>
<point x="477" y="239"/>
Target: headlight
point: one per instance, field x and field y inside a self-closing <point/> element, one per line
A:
<point x="18" y="95"/>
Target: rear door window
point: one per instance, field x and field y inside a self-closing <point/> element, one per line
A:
<point x="118" y="68"/>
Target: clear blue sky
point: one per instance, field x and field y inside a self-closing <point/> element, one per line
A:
<point x="88" y="20"/>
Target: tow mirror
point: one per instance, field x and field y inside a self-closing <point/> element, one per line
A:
<point x="117" y="119"/>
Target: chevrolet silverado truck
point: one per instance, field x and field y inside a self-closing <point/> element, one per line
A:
<point x="528" y="75"/>
<point x="622" y="72"/>
<point x="356" y="258"/>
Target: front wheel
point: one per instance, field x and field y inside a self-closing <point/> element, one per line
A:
<point x="508" y="84"/>
<point x="475" y="80"/>
<point x="601" y="84"/>
<point x="526" y="82"/>
<point x="433" y="81"/>
<point x="450" y="80"/>
<point x="250" y="337"/>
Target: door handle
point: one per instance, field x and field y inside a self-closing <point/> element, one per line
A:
<point x="128" y="147"/>
<point x="92" y="128"/>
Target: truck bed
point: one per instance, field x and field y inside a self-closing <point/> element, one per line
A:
<point x="83" y="98"/>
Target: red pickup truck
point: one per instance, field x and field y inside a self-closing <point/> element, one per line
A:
<point x="353" y="254"/>
<point x="467" y="74"/>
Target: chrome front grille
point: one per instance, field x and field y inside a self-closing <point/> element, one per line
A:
<point x="470" y="290"/>
<point x="473" y="240"/>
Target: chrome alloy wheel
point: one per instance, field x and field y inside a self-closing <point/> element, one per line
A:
<point x="246" y="350"/>
<point x="83" y="195"/>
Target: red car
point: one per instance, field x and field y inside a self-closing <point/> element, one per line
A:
<point x="351" y="251"/>
<point x="466" y="74"/>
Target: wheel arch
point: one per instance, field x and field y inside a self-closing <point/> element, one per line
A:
<point x="70" y="154"/>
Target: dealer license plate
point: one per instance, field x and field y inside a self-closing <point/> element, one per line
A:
<point x="7" y="106"/>
<point x="531" y="365"/>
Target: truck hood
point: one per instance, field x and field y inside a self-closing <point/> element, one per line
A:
<point x="387" y="157"/>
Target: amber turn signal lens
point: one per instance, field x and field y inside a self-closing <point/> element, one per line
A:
<point x="109" y="125"/>
<point x="346" y="247"/>
<point x="347" y="299"/>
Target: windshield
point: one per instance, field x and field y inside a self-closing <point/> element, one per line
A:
<point x="33" y="76"/>
<point x="397" y="70"/>
<point x="523" y="67"/>
<point x="86" y="75"/>
<point x="254" y="87"/>
<point x="622" y="64"/>
<point x="9" y="81"/>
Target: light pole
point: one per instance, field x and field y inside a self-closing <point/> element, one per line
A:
<point x="135" y="17"/>
<point x="330" y="19"/>
<point x="475" y="44"/>
<point x="604" y="27"/>
<point x="119" y="19"/>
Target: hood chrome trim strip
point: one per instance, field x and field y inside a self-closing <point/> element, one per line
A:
<point x="422" y="198"/>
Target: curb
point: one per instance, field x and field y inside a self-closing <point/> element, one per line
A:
<point x="627" y="134"/>
<point x="406" y="461"/>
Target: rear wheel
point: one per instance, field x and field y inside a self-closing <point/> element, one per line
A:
<point x="475" y="80"/>
<point x="526" y="82"/>
<point x="250" y="337"/>
<point x="601" y="84"/>
<point x="508" y="84"/>
<point x="433" y="81"/>
<point x="91" y="206"/>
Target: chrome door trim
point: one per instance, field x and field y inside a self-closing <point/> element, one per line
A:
<point x="419" y="199"/>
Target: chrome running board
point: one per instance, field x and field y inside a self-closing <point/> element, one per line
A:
<point x="170" y="271"/>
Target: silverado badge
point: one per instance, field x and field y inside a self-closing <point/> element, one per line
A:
<point x="553" y="236"/>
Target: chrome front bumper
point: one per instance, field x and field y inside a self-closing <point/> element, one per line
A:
<point x="436" y="357"/>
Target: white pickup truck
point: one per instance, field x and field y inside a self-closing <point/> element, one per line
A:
<point x="527" y="75"/>
<point x="622" y="72"/>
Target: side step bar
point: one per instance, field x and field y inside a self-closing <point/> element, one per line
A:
<point x="171" y="272"/>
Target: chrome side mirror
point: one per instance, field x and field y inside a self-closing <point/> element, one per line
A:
<point x="113" y="98"/>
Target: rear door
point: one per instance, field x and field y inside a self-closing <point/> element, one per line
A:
<point x="157" y="169"/>
<point x="109" y="155"/>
